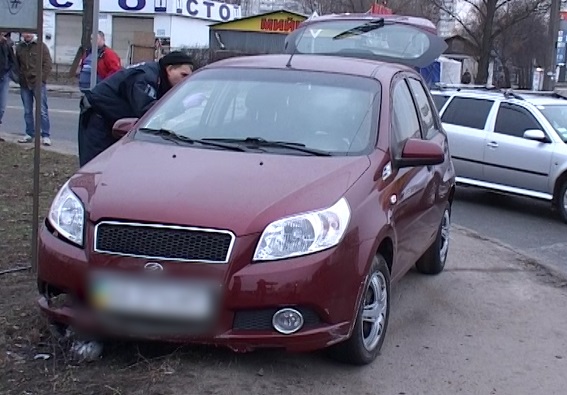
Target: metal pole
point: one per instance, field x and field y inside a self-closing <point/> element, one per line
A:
<point x="553" y="33"/>
<point x="37" y="150"/>
<point x="94" y="43"/>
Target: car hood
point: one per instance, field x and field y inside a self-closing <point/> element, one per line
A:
<point x="237" y="191"/>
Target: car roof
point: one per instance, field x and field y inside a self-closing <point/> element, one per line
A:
<point x="531" y="97"/>
<point x="422" y="23"/>
<point x="328" y="64"/>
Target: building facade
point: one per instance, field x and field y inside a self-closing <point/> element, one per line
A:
<point x="255" y="7"/>
<point x="179" y="22"/>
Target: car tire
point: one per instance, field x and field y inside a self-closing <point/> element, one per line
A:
<point x="561" y="202"/>
<point x="367" y="337"/>
<point x="433" y="261"/>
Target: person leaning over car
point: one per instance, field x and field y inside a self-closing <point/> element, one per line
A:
<point x="128" y="93"/>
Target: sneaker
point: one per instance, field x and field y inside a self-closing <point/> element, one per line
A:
<point x="45" y="141"/>
<point x="25" y="139"/>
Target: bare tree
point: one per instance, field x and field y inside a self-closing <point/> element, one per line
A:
<point x="487" y="20"/>
<point x="521" y="47"/>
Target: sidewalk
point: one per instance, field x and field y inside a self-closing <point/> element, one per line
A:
<point x="70" y="91"/>
<point x="61" y="147"/>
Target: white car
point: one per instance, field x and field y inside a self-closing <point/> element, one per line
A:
<point x="508" y="141"/>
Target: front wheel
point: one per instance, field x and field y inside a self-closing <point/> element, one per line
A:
<point x="433" y="261"/>
<point x="372" y="319"/>
<point x="562" y="202"/>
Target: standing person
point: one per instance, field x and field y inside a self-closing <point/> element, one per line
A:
<point x="7" y="65"/>
<point x="129" y="93"/>
<point x="466" y="78"/>
<point x="108" y="63"/>
<point x="26" y="54"/>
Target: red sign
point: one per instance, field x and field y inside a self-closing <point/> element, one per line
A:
<point x="279" y="25"/>
<point x="379" y="9"/>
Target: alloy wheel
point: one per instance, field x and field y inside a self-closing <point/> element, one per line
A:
<point x="374" y="311"/>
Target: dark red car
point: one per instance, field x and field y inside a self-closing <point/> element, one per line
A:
<point x="265" y="202"/>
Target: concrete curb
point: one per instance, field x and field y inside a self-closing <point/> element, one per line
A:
<point x="522" y="256"/>
<point x="65" y="91"/>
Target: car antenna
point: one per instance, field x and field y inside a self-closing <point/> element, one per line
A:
<point x="288" y="64"/>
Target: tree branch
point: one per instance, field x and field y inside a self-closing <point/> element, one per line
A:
<point x="478" y="9"/>
<point x="457" y="18"/>
<point x="516" y="18"/>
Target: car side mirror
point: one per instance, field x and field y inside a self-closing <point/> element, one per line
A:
<point x="419" y="152"/>
<point x="123" y="126"/>
<point x="535" y="134"/>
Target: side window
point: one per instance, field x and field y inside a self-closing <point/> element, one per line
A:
<point x="468" y="112"/>
<point x="514" y="120"/>
<point x="404" y="116"/>
<point x="439" y="101"/>
<point x="424" y="108"/>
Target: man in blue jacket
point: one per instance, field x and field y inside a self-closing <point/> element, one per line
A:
<point x="128" y="93"/>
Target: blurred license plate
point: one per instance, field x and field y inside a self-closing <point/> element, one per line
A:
<point x="163" y="298"/>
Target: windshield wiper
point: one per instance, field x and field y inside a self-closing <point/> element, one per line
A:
<point x="260" y="142"/>
<point x="361" y="29"/>
<point x="177" y="138"/>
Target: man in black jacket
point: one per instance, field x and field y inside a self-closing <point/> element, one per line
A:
<point x="128" y="93"/>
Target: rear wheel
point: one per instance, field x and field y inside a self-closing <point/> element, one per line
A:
<point x="433" y="261"/>
<point x="562" y="201"/>
<point x="372" y="319"/>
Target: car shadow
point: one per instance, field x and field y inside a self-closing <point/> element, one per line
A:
<point x="501" y="201"/>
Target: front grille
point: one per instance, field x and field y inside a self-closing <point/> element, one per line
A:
<point x="261" y="320"/>
<point x="163" y="242"/>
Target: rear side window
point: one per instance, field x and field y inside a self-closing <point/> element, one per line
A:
<point x="439" y="101"/>
<point x="405" y="121"/>
<point x="424" y="108"/>
<point x="514" y="120"/>
<point x="468" y="112"/>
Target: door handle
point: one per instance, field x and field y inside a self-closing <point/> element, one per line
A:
<point x="493" y="144"/>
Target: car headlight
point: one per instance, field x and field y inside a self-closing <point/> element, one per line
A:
<point x="67" y="215"/>
<point x="304" y="233"/>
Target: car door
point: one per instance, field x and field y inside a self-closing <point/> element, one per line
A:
<point x="408" y="183"/>
<point x="512" y="160"/>
<point x="465" y="119"/>
<point x="433" y="201"/>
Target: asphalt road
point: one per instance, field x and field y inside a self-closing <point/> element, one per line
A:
<point x="525" y="224"/>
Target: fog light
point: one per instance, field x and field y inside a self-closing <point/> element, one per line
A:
<point x="287" y="321"/>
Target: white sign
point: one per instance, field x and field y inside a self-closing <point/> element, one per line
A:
<point x="18" y="14"/>
<point x="201" y="9"/>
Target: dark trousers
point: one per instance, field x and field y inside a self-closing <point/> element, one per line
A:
<point x="95" y="136"/>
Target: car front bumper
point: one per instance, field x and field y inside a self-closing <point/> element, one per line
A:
<point x="325" y="287"/>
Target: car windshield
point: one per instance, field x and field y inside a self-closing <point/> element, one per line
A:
<point x="557" y="117"/>
<point x="393" y="40"/>
<point x="331" y="113"/>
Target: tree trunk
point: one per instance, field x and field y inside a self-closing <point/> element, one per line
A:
<point x="507" y="82"/>
<point x="88" y="6"/>
<point x="487" y="42"/>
